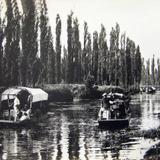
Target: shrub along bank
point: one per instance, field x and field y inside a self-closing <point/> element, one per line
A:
<point x="58" y="92"/>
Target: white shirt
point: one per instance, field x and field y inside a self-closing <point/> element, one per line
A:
<point x="16" y="102"/>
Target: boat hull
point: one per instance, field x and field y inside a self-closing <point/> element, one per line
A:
<point x="113" y="123"/>
<point x="12" y="124"/>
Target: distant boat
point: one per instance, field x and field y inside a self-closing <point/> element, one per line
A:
<point x="150" y="90"/>
<point x="142" y="89"/>
<point x="36" y="105"/>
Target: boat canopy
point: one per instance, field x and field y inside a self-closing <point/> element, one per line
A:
<point x="37" y="93"/>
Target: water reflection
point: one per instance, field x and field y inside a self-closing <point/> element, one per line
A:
<point x="150" y="109"/>
<point x="14" y="144"/>
<point x="71" y="132"/>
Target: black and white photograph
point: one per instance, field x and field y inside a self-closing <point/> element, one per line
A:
<point x="79" y="80"/>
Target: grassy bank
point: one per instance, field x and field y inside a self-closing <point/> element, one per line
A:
<point x="67" y="92"/>
<point x="59" y="92"/>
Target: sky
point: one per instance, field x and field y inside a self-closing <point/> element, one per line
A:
<point x="139" y="19"/>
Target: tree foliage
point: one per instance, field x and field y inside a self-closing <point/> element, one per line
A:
<point x="12" y="48"/>
<point x="1" y="51"/>
<point x="29" y="43"/>
<point x="30" y="51"/>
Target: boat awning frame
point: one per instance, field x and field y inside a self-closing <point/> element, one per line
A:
<point x="37" y="93"/>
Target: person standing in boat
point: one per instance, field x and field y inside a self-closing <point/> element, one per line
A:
<point x="16" y="107"/>
<point x="29" y="101"/>
<point x="105" y="101"/>
<point x="105" y="107"/>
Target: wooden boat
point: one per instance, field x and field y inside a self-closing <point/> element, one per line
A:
<point x="17" y="124"/>
<point x="150" y="90"/>
<point x="113" y="123"/>
<point x="115" y="115"/>
<point x="37" y="105"/>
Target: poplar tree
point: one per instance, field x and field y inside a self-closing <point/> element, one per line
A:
<point x="153" y="70"/>
<point x="143" y="72"/>
<point x="123" y="60"/>
<point x="138" y="63"/>
<point x="87" y="58"/>
<point x="117" y="54"/>
<point x="112" y="56"/>
<point x="47" y="53"/>
<point x="8" y="45"/>
<point x="89" y="55"/>
<point x="16" y="44"/>
<point x="12" y="49"/>
<point x="148" y="71"/>
<point x="64" y="64"/>
<point x="58" y="49"/>
<point x="84" y="54"/>
<point x="51" y="58"/>
<point x="103" y="51"/>
<point x="36" y="69"/>
<point x="76" y="51"/>
<point x="29" y="43"/>
<point x="158" y="71"/>
<point x="133" y="65"/>
<point x="70" y="71"/>
<point x="1" y="51"/>
<point x="128" y="64"/>
<point x="95" y="55"/>
<point x="44" y="45"/>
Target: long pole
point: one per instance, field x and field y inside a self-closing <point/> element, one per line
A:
<point x="9" y="109"/>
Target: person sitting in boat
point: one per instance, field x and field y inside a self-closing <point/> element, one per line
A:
<point x="114" y="109"/>
<point x="25" y="113"/>
<point x="118" y="106"/>
<point x="104" y="113"/>
<point x="114" y="99"/>
<point x="112" y="104"/>
<point x="121" y="113"/>
<point x="100" y="114"/>
<point x="16" y="108"/>
<point x="24" y="117"/>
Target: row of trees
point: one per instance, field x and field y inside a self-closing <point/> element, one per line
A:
<point x="118" y="64"/>
<point x="28" y="56"/>
<point x="151" y="72"/>
<point x="26" y="46"/>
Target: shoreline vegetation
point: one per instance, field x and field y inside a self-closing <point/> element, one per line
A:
<point x="69" y="92"/>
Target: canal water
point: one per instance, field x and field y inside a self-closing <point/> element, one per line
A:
<point x="70" y="132"/>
